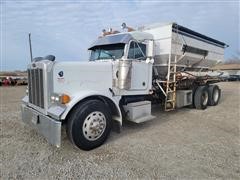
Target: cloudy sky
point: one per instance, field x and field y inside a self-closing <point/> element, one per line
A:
<point x="66" y="28"/>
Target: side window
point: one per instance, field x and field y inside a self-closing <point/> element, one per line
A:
<point x="140" y="51"/>
<point x="94" y="54"/>
<point x="131" y="51"/>
<point x="137" y="51"/>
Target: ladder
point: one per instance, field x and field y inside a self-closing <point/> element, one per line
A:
<point x="169" y="86"/>
<point x="171" y="83"/>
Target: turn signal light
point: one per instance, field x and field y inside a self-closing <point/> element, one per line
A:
<point x="65" y="99"/>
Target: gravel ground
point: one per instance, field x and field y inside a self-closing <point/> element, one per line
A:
<point x="185" y="144"/>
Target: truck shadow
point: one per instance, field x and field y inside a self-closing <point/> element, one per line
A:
<point x="161" y="117"/>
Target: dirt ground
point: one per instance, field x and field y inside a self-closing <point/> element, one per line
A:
<point x="185" y="144"/>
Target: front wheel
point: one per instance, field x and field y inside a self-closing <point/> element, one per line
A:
<point x="89" y="124"/>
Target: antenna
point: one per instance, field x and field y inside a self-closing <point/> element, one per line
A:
<point x="30" y="46"/>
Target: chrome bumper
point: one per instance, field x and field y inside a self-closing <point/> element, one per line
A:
<point x="46" y="126"/>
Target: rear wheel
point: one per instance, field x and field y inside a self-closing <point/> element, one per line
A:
<point x="201" y="97"/>
<point x="214" y="95"/>
<point x="89" y="124"/>
<point x="193" y="94"/>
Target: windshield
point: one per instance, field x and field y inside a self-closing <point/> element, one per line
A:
<point x="111" y="51"/>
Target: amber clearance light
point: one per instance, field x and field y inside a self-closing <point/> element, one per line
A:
<point x="65" y="99"/>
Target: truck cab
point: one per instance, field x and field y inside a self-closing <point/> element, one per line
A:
<point x="88" y="96"/>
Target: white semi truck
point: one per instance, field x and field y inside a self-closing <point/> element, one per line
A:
<point x="167" y="65"/>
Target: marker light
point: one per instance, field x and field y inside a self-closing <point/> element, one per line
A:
<point x="65" y="99"/>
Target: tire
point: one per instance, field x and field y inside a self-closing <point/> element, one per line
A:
<point x="201" y="97"/>
<point x="214" y="95"/>
<point x="89" y="124"/>
<point x="193" y="94"/>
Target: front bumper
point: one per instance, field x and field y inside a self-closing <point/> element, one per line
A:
<point x="46" y="126"/>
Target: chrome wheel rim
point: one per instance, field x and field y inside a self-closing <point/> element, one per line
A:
<point x="215" y="95"/>
<point x="94" y="125"/>
<point x="205" y="98"/>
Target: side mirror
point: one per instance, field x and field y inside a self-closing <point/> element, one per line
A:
<point x="150" y="49"/>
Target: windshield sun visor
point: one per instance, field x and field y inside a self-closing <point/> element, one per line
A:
<point x="112" y="39"/>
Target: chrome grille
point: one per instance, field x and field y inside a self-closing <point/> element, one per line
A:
<point x="35" y="87"/>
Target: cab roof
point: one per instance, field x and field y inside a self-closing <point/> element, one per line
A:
<point x="121" y="38"/>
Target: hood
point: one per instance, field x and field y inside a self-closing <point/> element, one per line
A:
<point x="71" y="77"/>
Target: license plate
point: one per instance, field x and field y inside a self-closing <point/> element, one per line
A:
<point x="35" y="119"/>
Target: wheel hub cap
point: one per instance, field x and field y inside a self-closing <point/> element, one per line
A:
<point x="94" y="125"/>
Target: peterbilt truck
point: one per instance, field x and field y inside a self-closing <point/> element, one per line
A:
<point x="128" y="72"/>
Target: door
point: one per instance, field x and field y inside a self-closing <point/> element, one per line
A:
<point x="141" y="78"/>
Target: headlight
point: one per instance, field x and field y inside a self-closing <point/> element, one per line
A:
<point x="26" y="91"/>
<point x="60" y="98"/>
<point x="55" y="98"/>
<point x="52" y="98"/>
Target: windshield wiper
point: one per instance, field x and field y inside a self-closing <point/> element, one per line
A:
<point x="141" y="58"/>
<point x="108" y="54"/>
